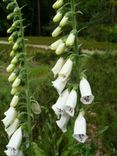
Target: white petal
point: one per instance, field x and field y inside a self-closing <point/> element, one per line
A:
<point x="86" y="93"/>
<point x="71" y="103"/>
<point x="15" y="140"/>
<point x="62" y="123"/>
<point x="58" y="107"/>
<point x="66" y="69"/>
<point x="59" y="84"/>
<point x="56" y="69"/>
<point x="10" y="117"/>
<point x="12" y="128"/>
<point x="80" y="129"/>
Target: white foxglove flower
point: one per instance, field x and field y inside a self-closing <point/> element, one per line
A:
<point x="57" y="4"/>
<point x="64" y="21"/>
<point x="58" y="107"/>
<point x="16" y="83"/>
<point x="9" y="111"/>
<point x="10" y="68"/>
<point x="57" y="17"/>
<point x="60" y="49"/>
<point x="12" y="128"/>
<point x="66" y="69"/>
<point x="71" y="103"/>
<point x="14" y="101"/>
<point x="80" y="129"/>
<point x="12" y="77"/>
<point x="15" y="141"/>
<point x="70" y="40"/>
<point x="62" y="123"/>
<point x="54" y="45"/>
<point x="14" y="60"/>
<point x="10" y="117"/>
<point x="59" y="84"/>
<point x="86" y="93"/>
<point x="56" y="32"/>
<point x="56" y="69"/>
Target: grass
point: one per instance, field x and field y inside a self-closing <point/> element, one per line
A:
<point x="86" y="43"/>
<point x="102" y="74"/>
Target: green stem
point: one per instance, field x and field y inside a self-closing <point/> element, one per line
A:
<point x="75" y="48"/>
<point x="27" y="86"/>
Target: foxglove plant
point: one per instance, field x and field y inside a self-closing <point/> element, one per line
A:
<point x="18" y="126"/>
<point x="70" y="79"/>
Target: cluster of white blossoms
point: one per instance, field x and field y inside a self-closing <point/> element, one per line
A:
<point x="16" y="70"/>
<point x="66" y="103"/>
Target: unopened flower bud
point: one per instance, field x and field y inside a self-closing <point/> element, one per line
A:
<point x="10" y="16"/>
<point x="11" y="6"/>
<point x="12" y="53"/>
<point x="70" y="40"/>
<point x="14" y="90"/>
<point x="60" y="49"/>
<point x="56" y="32"/>
<point x="16" y="83"/>
<point x="10" y="68"/>
<point x="12" y="77"/>
<point x="64" y="21"/>
<point x="57" y="4"/>
<point x="54" y="45"/>
<point x="14" y="101"/>
<point x="57" y="17"/>
<point x="14" y="60"/>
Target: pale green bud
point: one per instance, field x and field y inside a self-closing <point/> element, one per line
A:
<point x="57" y="17"/>
<point x="14" y="60"/>
<point x="70" y="40"/>
<point x="57" y="4"/>
<point x="64" y="21"/>
<point x="56" y="32"/>
<point x="12" y="77"/>
<point x="54" y="45"/>
<point x="10" y="68"/>
<point x="16" y="83"/>
<point x="14" y="101"/>
<point x="60" y="49"/>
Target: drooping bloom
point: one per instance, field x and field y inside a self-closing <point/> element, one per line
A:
<point x="54" y="45"/>
<point x="64" y="20"/>
<point x="14" y="60"/>
<point x="80" y="128"/>
<point x="66" y="69"/>
<point x="12" y="128"/>
<point x="57" y="32"/>
<point x="70" y="40"/>
<point x="15" y="141"/>
<point x="62" y="123"/>
<point x="59" y="84"/>
<point x="58" y="107"/>
<point x="57" y="4"/>
<point x="86" y="93"/>
<point x="14" y="101"/>
<point x="10" y="117"/>
<point x="57" y="17"/>
<point x="56" y="69"/>
<point x="71" y="103"/>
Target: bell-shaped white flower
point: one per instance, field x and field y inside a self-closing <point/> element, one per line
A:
<point x="56" y="69"/>
<point x="80" y="128"/>
<point x="57" y="17"/>
<point x="10" y="68"/>
<point x="14" y="101"/>
<point x="64" y="21"/>
<point x="15" y="141"/>
<point x="60" y="49"/>
<point x="57" y="32"/>
<point x="62" y="123"/>
<point x="71" y="103"/>
<point x="58" y="107"/>
<point x="59" y="84"/>
<point x="57" y="4"/>
<point x="66" y="69"/>
<point x="54" y="45"/>
<point x="12" y="77"/>
<point x="17" y="82"/>
<point x="10" y="117"/>
<point x="70" y="40"/>
<point x="12" y="128"/>
<point x="86" y="93"/>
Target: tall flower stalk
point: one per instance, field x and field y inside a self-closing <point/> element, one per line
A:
<point x="71" y="81"/>
<point x="17" y="119"/>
